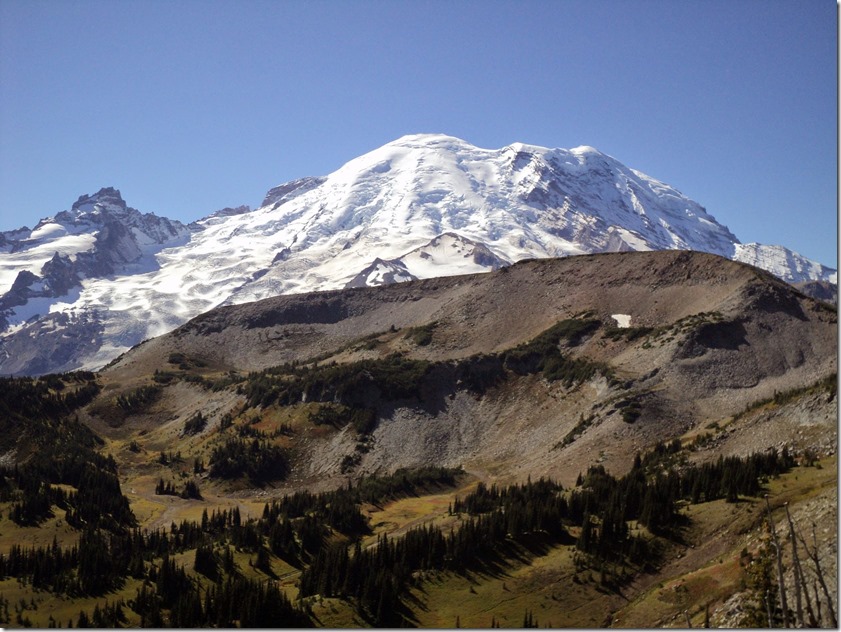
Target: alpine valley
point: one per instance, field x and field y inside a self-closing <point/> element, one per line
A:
<point x="87" y="284"/>
<point x="442" y="387"/>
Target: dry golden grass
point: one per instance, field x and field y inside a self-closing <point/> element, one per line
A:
<point x="55" y="527"/>
<point x="398" y="516"/>
<point x="62" y="609"/>
<point x="544" y="586"/>
<point x="329" y="612"/>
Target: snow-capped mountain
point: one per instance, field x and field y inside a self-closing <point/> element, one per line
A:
<point x="91" y="282"/>
<point x="98" y="236"/>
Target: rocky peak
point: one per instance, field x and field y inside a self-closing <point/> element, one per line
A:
<point x="106" y="208"/>
<point x="104" y="198"/>
<point x="19" y="293"/>
<point x="288" y="190"/>
<point x="229" y="211"/>
<point x="23" y="280"/>
<point x="59" y="275"/>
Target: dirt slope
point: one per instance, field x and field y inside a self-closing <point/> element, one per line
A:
<point x="719" y="336"/>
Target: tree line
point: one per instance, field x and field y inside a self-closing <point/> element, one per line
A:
<point x="353" y="392"/>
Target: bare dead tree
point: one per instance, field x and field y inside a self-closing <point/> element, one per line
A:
<point x="797" y="585"/>
<point x="818" y="602"/>
<point x="815" y="557"/>
<point x="800" y="578"/>
<point x="813" y="620"/>
<point x="783" y="600"/>
<point x="768" y="608"/>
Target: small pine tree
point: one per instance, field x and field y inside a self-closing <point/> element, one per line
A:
<point x="263" y="561"/>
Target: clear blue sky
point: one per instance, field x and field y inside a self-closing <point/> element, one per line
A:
<point x="188" y="106"/>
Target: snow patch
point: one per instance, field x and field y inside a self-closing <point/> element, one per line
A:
<point x="623" y="321"/>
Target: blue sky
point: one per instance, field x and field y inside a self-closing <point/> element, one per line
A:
<point x="188" y="106"/>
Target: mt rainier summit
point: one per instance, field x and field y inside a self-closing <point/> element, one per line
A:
<point x="89" y="283"/>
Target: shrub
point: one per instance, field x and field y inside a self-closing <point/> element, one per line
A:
<point x="421" y="336"/>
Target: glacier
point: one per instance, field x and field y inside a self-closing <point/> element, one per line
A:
<point x="424" y="205"/>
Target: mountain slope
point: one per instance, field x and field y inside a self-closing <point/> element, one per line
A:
<point x="419" y="207"/>
<point x="698" y="348"/>
<point x="546" y="368"/>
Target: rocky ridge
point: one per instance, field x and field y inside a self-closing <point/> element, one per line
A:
<point x="696" y="349"/>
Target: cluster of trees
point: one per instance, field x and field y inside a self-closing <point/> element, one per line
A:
<point x="628" y="333"/>
<point x="355" y="384"/>
<point x="62" y="451"/>
<point x="362" y="419"/>
<point x="111" y="615"/>
<point x="404" y="482"/>
<point x="96" y="565"/>
<point x="600" y="510"/>
<point x="421" y="335"/>
<point x="376" y="577"/>
<point x="259" y="460"/>
<point x="650" y="495"/>
<point x="294" y="528"/>
<point x="101" y="562"/>
<point x="45" y="398"/>
<point x="98" y="501"/>
<point x="138" y="398"/>
<point x="543" y="355"/>
<point x="237" y="602"/>
<point x="35" y="500"/>
<point x="179" y="602"/>
<point x="184" y="363"/>
<point x="195" y="424"/>
<point x="340" y="509"/>
<point x="191" y="489"/>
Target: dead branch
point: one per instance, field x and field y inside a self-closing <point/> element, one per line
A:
<point x="783" y="600"/>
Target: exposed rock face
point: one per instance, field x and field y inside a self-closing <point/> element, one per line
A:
<point x="106" y="198"/>
<point x="449" y="251"/>
<point x="52" y="343"/>
<point x="821" y="290"/>
<point x="382" y="273"/>
<point x="59" y="275"/>
<point x="288" y="190"/>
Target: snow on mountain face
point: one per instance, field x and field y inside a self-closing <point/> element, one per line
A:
<point x="421" y="206"/>
<point x="50" y="269"/>
<point x="99" y="232"/>
<point x="783" y="263"/>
